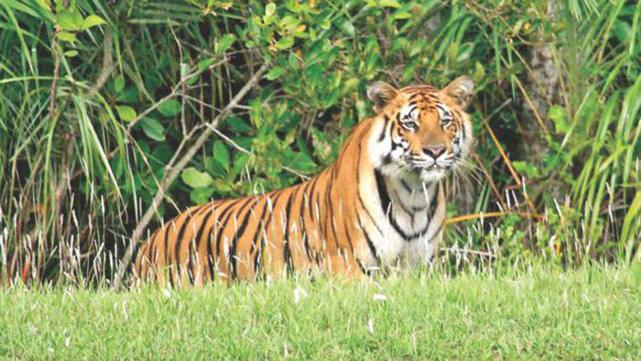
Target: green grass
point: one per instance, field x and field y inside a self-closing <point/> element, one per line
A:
<point x="542" y="313"/>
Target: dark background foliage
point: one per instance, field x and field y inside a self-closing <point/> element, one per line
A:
<point x="98" y="99"/>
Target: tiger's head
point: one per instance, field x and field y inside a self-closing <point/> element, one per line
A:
<point x="426" y="131"/>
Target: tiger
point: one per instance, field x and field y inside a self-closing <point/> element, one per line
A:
<point x="379" y="205"/>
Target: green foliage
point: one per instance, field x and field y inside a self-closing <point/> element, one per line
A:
<point x="134" y="79"/>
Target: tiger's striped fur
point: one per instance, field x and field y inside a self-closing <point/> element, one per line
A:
<point x="382" y="202"/>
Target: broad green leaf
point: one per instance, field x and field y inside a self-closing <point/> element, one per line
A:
<point x="70" y="53"/>
<point x="201" y="195"/>
<point x="390" y="4"/>
<point x="221" y="155"/>
<point x="92" y="20"/>
<point x="119" y="83"/>
<point x="223" y="185"/>
<point x="285" y="43"/>
<point x="126" y="112"/>
<point x="169" y="107"/>
<point x="195" y="178"/>
<point x="270" y="10"/>
<point x="347" y="27"/>
<point x="275" y="73"/>
<point x="289" y="23"/>
<point x="67" y="36"/>
<point x="623" y="31"/>
<point x="153" y="129"/>
<point x="240" y="161"/>
<point x="69" y="19"/>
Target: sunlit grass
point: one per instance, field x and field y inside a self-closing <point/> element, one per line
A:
<point x="541" y="313"/>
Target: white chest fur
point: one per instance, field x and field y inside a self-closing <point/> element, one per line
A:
<point x="404" y="221"/>
<point x="404" y="215"/>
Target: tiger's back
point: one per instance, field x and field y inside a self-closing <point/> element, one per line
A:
<point x="280" y="232"/>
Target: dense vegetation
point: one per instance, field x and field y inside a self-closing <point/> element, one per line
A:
<point x="100" y="101"/>
<point x="545" y="314"/>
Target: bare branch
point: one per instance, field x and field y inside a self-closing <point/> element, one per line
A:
<point x="175" y="170"/>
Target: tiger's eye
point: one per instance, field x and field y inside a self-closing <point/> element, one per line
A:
<point x="446" y="121"/>
<point x="410" y="126"/>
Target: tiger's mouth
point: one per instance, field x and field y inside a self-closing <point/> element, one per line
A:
<point x="445" y="162"/>
<point x="430" y="169"/>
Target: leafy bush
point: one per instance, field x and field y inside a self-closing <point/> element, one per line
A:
<point x="96" y="99"/>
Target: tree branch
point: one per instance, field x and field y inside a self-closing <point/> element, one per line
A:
<point x="174" y="171"/>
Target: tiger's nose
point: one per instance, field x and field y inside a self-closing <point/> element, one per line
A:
<point x="434" y="151"/>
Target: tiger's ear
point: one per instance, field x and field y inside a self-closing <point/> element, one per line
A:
<point x="381" y="93"/>
<point x="460" y="90"/>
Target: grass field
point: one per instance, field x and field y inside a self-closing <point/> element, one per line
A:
<point x="547" y="314"/>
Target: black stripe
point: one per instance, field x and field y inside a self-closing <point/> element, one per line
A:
<point x="210" y="256"/>
<point x="216" y="228"/>
<point x="265" y="225"/>
<point x="382" y="135"/>
<point x="303" y="228"/>
<point x="363" y="269"/>
<point x="330" y="207"/>
<point x="387" y="210"/>
<point x="238" y="235"/>
<point x="382" y="192"/>
<point x="400" y="203"/>
<point x="386" y="204"/>
<point x="406" y="186"/>
<point x="349" y="239"/>
<point x="223" y="224"/>
<point x="151" y="249"/>
<point x="310" y="210"/>
<point x="434" y="201"/>
<point x="179" y="238"/>
<point x="168" y="265"/>
<point x="351" y="247"/>
<point x="199" y="236"/>
<point x="287" y="252"/>
<point x="311" y="196"/>
<point x="257" y="232"/>
<point x="370" y="244"/>
<point x="358" y="190"/>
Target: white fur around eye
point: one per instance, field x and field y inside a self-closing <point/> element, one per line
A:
<point x="408" y="118"/>
<point x="444" y="114"/>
